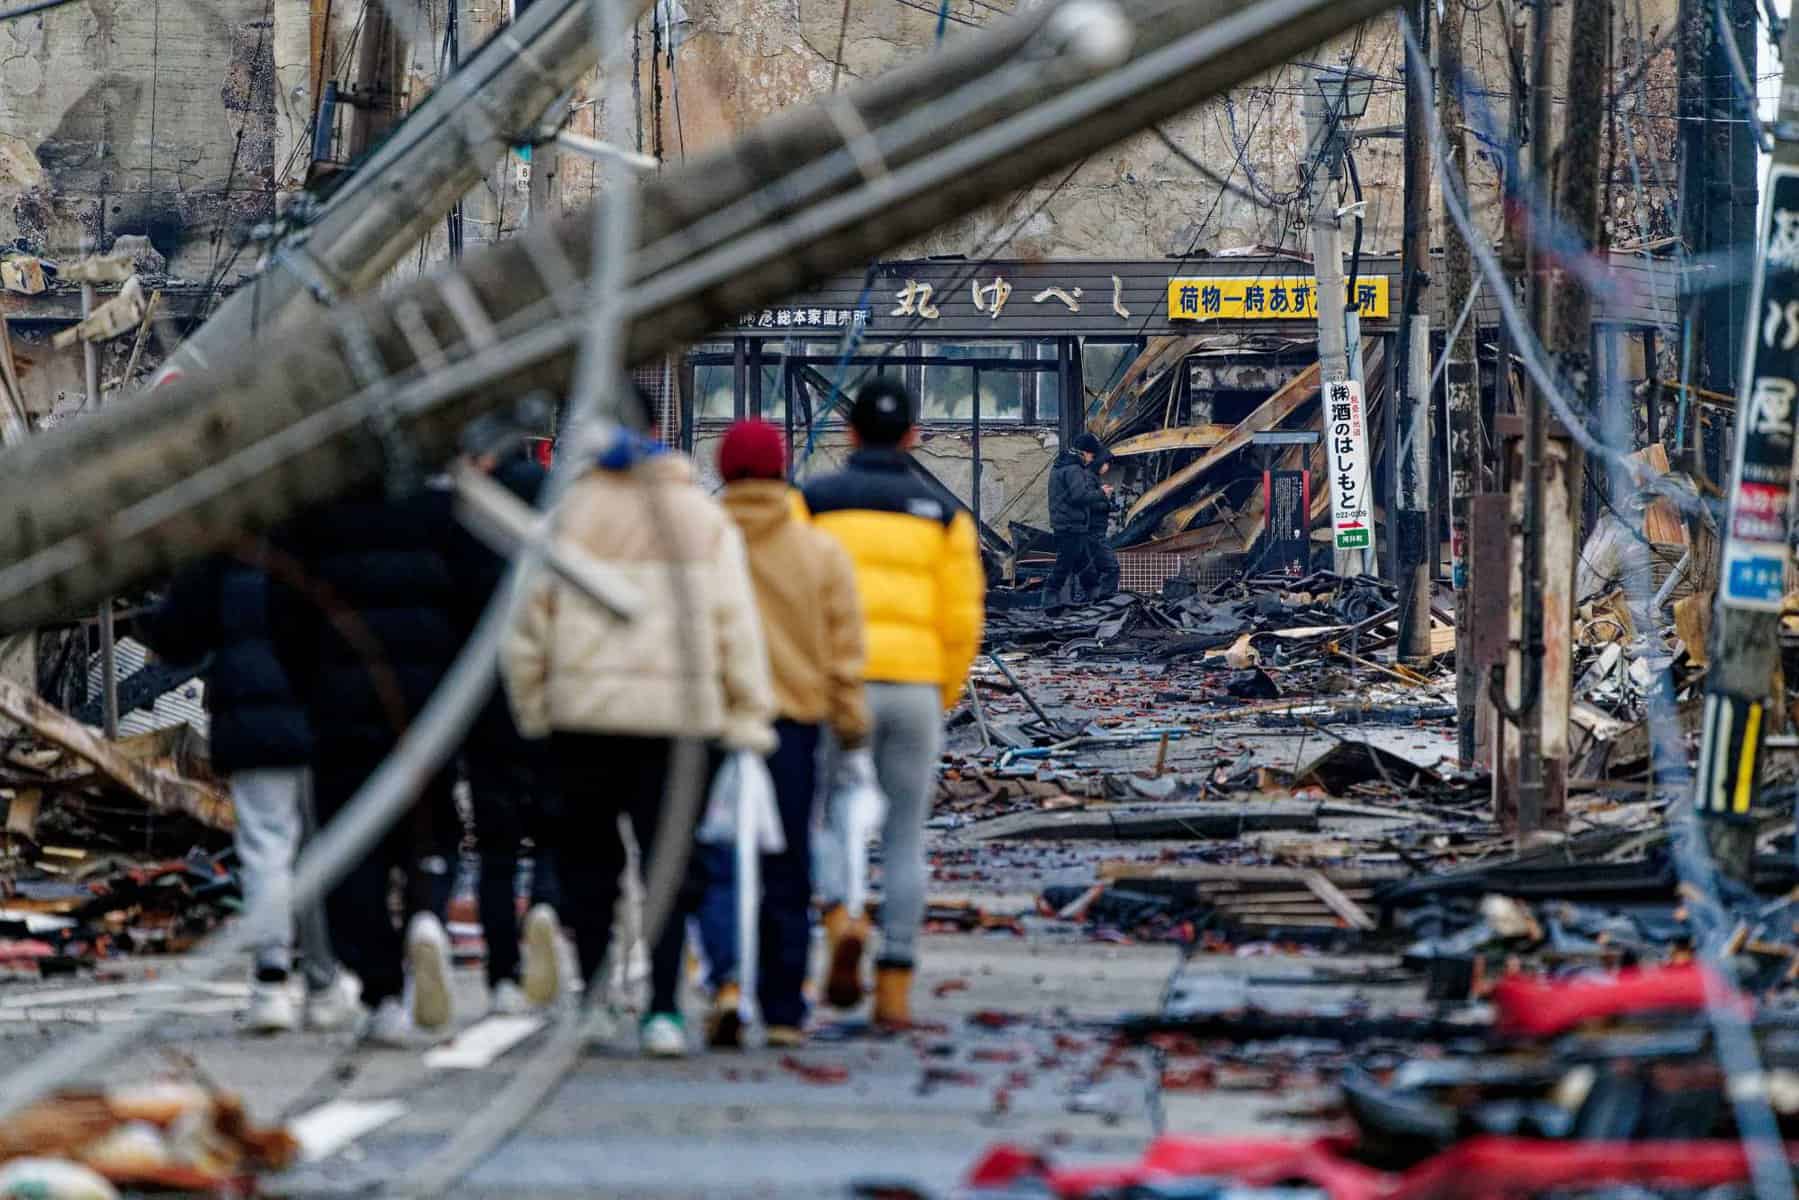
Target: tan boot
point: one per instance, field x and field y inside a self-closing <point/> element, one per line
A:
<point x="893" y="997"/>
<point x="724" y="1025"/>
<point x="845" y="937"/>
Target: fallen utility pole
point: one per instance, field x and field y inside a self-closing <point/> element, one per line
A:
<point x="412" y="180"/>
<point x="145" y="487"/>
<point x="1745" y="650"/>
<point x="1417" y="542"/>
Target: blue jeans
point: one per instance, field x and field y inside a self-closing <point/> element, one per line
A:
<point x="786" y="916"/>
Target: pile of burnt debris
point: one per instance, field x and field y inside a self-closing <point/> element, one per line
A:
<point x="171" y="1136"/>
<point x="69" y="909"/>
<point x="1595" y="1085"/>
<point x="1573" y="1046"/>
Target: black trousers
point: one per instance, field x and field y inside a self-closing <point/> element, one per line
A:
<point x="1071" y="561"/>
<point x="1104" y="566"/>
<point x="602" y="777"/>
<point x="362" y="928"/>
<point x="509" y="809"/>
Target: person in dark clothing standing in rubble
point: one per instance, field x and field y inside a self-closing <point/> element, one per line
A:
<point x="1100" y="559"/>
<point x="1079" y="505"/>
<point x="217" y="611"/>
<point x="365" y="623"/>
<point x="511" y="779"/>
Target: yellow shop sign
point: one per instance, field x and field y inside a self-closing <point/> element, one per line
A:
<point x="1246" y="298"/>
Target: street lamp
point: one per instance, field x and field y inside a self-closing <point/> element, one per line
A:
<point x="1342" y="97"/>
<point x="1346" y="92"/>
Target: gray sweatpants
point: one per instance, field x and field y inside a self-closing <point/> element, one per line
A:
<point x="906" y="742"/>
<point x="274" y="814"/>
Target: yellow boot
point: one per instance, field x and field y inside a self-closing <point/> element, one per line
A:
<point x="893" y="996"/>
<point x="845" y="937"/>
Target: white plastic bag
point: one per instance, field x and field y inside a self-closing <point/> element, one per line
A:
<point x="857" y="797"/>
<point x="743" y="794"/>
<point x="741" y="813"/>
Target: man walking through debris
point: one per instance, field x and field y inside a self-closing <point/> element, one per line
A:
<point x="918" y="568"/>
<point x="612" y="696"/>
<point x="511" y="786"/>
<point x="365" y="626"/>
<point x="806" y="592"/>
<point x="1079" y="508"/>
<point x="261" y="741"/>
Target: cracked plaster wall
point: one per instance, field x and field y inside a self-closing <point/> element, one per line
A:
<point x="137" y="116"/>
<point x="744" y="60"/>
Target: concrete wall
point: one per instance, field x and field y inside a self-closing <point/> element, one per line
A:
<point x="743" y="60"/>
<point x="137" y="116"/>
<point x="181" y="117"/>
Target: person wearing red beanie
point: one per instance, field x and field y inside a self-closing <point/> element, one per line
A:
<point x="805" y="587"/>
<point x="752" y="450"/>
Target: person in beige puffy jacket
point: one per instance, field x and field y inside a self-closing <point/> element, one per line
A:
<point x="612" y="695"/>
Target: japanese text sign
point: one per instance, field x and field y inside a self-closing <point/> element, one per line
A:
<point x="1248" y="298"/>
<point x="1346" y="447"/>
<point x="1760" y="523"/>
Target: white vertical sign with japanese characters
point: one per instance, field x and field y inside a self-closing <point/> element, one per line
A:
<point x="1346" y="449"/>
<point x="1759" y="526"/>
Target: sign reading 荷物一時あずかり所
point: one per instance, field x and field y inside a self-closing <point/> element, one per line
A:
<point x="1261" y="298"/>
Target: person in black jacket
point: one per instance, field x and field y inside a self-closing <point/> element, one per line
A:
<point x="1101" y="561"/>
<point x="1076" y="496"/>
<point x="216" y="612"/>
<point x="510" y="778"/>
<point x="364" y="613"/>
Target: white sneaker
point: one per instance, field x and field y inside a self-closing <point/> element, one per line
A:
<point x="271" y="1009"/>
<point x="664" y="1036"/>
<point x="543" y="965"/>
<point x="390" y="1025"/>
<point x="335" y="1007"/>
<point x="428" y="955"/>
<point x="600" y="1029"/>
<point x="508" y="999"/>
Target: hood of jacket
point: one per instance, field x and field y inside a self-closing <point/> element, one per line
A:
<point x="648" y="461"/>
<point x="1068" y="458"/>
<point x="759" y="506"/>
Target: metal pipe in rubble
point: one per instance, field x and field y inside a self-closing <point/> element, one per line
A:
<point x="162" y="481"/>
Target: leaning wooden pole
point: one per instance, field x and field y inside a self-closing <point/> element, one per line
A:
<point x="412" y="179"/>
<point x="383" y="386"/>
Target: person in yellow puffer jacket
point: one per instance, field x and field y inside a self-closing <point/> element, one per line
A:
<point x="918" y="570"/>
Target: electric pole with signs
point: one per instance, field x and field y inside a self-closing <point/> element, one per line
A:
<point x="1758" y="526"/>
<point x="1340" y="97"/>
